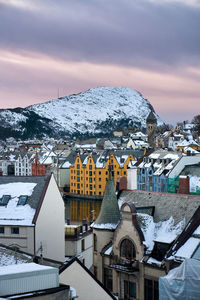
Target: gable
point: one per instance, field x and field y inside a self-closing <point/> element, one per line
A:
<point x="87" y="286"/>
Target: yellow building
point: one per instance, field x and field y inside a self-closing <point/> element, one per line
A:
<point x="89" y="174"/>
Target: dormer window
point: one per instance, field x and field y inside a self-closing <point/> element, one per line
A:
<point x="4" y="200"/>
<point x="22" y="200"/>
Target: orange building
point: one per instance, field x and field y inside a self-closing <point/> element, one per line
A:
<point x="89" y="174"/>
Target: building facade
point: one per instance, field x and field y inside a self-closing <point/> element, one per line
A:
<point x="88" y="175"/>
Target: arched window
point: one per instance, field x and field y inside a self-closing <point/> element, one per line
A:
<point x="127" y="249"/>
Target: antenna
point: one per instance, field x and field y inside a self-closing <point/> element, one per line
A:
<point x="58" y="93"/>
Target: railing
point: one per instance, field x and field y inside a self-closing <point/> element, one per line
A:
<point x="129" y="265"/>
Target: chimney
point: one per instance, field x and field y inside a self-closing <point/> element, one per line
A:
<point x="184" y="185"/>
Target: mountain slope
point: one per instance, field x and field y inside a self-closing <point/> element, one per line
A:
<point x="94" y="112"/>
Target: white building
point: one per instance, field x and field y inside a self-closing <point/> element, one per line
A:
<point x="32" y="216"/>
<point x="23" y="164"/>
<point x="79" y="243"/>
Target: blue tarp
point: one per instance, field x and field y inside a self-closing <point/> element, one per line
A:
<point x="181" y="283"/>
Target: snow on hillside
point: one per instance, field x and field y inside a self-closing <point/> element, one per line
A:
<point x="96" y="111"/>
<point x="11" y="118"/>
<point x="86" y="110"/>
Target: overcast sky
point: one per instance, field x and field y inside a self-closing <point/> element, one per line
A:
<point x="152" y="46"/>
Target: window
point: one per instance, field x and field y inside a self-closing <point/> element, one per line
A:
<point x="90" y="167"/>
<point x="90" y="173"/>
<point x="90" y="179"/>
<point x="95" y="271"/>
<point x="2" y="230"/>
<point x="117" y="172"/>
<point x="100" y="186"/>
<point x="99" y="172"/>
<point x="5" y="199"/>
<point x="124" y="172"/>
<point x="150" y="289"/>
<point x="15" y="230"/>
<point x="127" y="249"/>
<point x="83" y="245"/>
<point x="78" y="179"/>
<point x="90" y="186"/>
<point x="108" y="278"/>
<point x="99" y="193"/>
<point x="100" y="179"/>
<point x="129" y="290"/>
<point x="22" y="200"/>
<point x="78" y="166"/>
<point x="78" y="172"/>
<point x="78" y="185"/>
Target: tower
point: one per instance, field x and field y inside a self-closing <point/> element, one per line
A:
<point x="105" y="225"/>
<point x="151" y="127"/>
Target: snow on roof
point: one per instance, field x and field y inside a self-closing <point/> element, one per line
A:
<point x="72" y="225"/>
<point x="104" y="226"/>
<point x="14" y="214"/>
<point x="141" y="165"/>
<point x="139" y="133"/>
<point x="157" y="165"/>
<point x="154" y="155"/>
<point x="121" y="160"/>
<point x="188" y="248"/>
<point x="148" y="165"/>
<point x="12" y="157"/>
<point x="85" y="160"/>
<point x="197" y="231"/>
<point x="7" y="258"/>
<point x="21" y="268"/>
<point x="67" y="164"/>
<point x="108" y="251"/>
<point x="152" y="260"/>
<point x="171" y="156"/>
<point x="48" y="161"/>
<point x="165" y="232"/>
<point x="190" y="149"/>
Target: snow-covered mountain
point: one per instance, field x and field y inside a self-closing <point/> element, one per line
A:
<point x="94" y="112"/>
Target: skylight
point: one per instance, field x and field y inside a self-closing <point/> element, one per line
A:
<point x="5" y="199"/>
<point x="22" y="200"/>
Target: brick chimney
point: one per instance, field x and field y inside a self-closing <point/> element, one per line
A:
<point x="184" y="185"/>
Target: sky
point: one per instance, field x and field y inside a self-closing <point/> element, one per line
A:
<point x="56" y="48"/>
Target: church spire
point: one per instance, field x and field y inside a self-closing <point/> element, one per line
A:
<point x="109" y="215"/>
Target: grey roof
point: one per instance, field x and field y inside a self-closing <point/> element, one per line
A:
<point x="166" y="204"/>
<point x="136" y="153"/>
<point x="41" y="181"/>
<point x="193" y="170"/>
<point x="151" y="118"/>
<point x="109" y="212"/>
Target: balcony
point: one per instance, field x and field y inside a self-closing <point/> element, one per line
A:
<point x="125" y="265"/>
